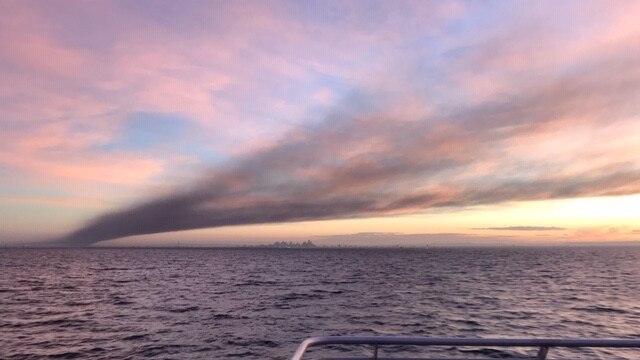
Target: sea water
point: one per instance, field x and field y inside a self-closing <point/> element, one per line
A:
<point x="259" y="303"/>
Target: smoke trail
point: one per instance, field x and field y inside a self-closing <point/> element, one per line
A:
<point x="365" y="160"/>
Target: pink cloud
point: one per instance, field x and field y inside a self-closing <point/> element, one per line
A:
<point x="89" y="168"/>
<point x="154" y="68"/>
<point x="81" y="202"/>
<point x="538" y="47"/>
<point x="24" y="43"/>
<point x="57" y="150"/>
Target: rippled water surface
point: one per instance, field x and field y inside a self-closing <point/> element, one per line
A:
<point x="260" y="303"/>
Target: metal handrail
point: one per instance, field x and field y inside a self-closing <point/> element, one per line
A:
<point x="543" y="345"/>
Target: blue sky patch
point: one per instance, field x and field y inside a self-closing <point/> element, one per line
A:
<point x="145" y="130"/>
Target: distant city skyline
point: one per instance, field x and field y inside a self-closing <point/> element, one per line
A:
<point x="360" y="122"/>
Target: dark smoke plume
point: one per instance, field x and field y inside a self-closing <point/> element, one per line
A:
<point x="364" y="160"/>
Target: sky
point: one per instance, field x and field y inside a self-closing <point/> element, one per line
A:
<point x="344" y="122"/>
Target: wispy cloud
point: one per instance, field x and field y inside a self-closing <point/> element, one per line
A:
<point x="523" y="228"/>
<point x="417" y="240"/>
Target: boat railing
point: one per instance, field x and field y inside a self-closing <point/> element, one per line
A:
<point x="542" y="345"/>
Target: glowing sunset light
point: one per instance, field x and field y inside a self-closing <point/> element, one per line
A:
<point x="367" y="123"/>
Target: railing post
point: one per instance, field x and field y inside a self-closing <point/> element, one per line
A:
<point x="375" y="352"/>
<point x="542" y="353"/>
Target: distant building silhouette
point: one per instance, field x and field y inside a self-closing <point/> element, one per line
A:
<point x="291" y="244"/>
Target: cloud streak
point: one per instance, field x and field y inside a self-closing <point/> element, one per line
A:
<point x="417" y="240"/>
<point x="523" y="228"/>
